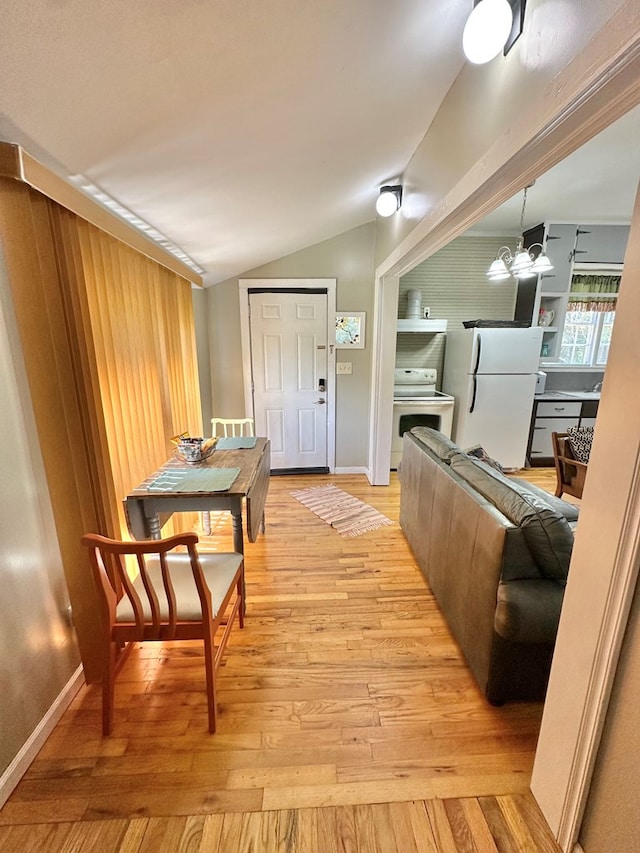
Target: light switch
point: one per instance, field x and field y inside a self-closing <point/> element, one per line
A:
<point x="343" y="367"/>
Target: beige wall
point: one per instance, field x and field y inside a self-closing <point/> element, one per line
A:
<point x="574" y="70"/>
<point x="491" y="111"/>
<point x="347" y="258"/>
<point x="611" y="817"/>
<point x="200" y="322"/>
<point x="38" y="649"/>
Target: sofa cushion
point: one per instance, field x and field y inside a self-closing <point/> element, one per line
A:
<point x="546" y="531"/>
<point x="567" y="510"/>
<point x="437" y="442"/>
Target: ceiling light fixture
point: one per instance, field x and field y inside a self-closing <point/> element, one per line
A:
<point x="521" y="263"/>
<point x="389" y="200"/>
<point x="492" y="26"/>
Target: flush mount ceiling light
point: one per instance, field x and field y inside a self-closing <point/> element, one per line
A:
<point x="389" y="200"/>
<point x="492" y="26"/>
<point x="521" y="262"/>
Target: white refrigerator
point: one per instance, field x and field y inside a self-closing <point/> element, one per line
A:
<point x="492" y="374"/>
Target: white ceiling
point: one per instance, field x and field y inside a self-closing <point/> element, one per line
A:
<point x="243" y="130"/>
<point x="597" y="184"/>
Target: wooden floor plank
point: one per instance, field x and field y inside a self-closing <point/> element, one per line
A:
<point x="347" y="717"/>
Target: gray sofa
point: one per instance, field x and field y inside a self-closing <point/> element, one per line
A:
<point x="495" y="552"/>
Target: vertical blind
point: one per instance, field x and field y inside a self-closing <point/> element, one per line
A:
<point x="108" y="342"/>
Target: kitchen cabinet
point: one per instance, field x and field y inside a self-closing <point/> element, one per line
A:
<point x="556" y="415"/>
<point x="601" y="244"/>
<point x="560" y="245"/>
<point x="541" y="449"/>
<point x="566" y="246"/>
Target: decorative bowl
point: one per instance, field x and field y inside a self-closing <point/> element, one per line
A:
<point x="193" y="450"/>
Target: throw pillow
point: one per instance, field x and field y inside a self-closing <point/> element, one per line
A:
<point x="478" y="452"/>
<point x="580" y="439"/>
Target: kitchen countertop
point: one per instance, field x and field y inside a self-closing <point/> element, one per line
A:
<point x="567" y="395"/>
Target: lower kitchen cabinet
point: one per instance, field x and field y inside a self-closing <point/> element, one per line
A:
<point x="555" y="416"/>
<point x="541" y="449"/>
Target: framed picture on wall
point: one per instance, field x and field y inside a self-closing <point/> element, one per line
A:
<point x="350" y="330"/>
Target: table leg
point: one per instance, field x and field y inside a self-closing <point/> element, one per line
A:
<point x="238" y="546"/>
<point x="154" y="526"/>
<point x="238" y="539"/>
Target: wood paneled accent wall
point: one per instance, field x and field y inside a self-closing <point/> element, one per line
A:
<point x="109" y="345"/>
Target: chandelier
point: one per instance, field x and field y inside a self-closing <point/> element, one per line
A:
<point x="521" y="262"/>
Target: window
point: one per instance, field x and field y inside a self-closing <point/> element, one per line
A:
<point x="586" y="338"/>
<point x="588" y="322"/>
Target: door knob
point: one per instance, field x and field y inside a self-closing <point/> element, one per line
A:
<point x="321" y="402"/>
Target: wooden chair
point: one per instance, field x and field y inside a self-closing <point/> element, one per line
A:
<point x="232" y="426"/>
<point x="175" y="596"/>
<point x="570" y="472"/>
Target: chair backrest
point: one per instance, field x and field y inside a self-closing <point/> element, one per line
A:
<point x="113" y="581"/>
<point x="232" y="426"/>
<point x="570" y="471"/>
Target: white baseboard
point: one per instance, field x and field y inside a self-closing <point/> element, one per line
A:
<point x="350" y="470"/>
<point x="18" y="767"/>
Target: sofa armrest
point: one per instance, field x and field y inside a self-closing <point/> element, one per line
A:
<point x="528" y="611"/>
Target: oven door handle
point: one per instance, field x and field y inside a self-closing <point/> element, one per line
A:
<point x="475" y="393"/>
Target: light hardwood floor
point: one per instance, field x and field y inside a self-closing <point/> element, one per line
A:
<point x="348" y="719"/>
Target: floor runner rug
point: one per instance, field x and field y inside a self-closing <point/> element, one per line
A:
<point x="348" y="515"/>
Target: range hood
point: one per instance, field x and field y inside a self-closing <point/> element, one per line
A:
<point x="424" y="326"/>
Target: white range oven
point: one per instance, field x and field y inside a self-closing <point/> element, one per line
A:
<point x="417" y="403"/>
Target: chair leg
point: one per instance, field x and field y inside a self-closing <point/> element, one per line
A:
<point x="210" y="669"/>
<point x="108" y="688"/>
<point x="240" y="590"/>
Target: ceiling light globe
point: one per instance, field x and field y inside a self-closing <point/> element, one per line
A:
<point x="522" y="263"/>
<point x="542" y="264"/>
<point x="498" y="271"/>
<point x="387" y="203"/>
<point x="487" y="30"/>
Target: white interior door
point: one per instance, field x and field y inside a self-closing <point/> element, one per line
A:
<point x="288" y="334"/>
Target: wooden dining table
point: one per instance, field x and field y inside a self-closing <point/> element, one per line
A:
<point x="233" y="478"/>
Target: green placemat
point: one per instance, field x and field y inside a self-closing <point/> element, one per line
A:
<point x="238" y="442"/>
<point x="194" y="480"/>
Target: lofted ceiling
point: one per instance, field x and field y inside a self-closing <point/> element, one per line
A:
<point x="241" y="130"/>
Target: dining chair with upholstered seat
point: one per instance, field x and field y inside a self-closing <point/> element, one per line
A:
<point x="174" y="595"/>
<point x="232" y="427"/>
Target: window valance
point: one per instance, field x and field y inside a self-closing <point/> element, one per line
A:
<point x="593" y="292"/>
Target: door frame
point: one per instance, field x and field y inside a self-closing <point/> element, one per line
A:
<point x="605" y="569"/>
<point x="276" y="284"/>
